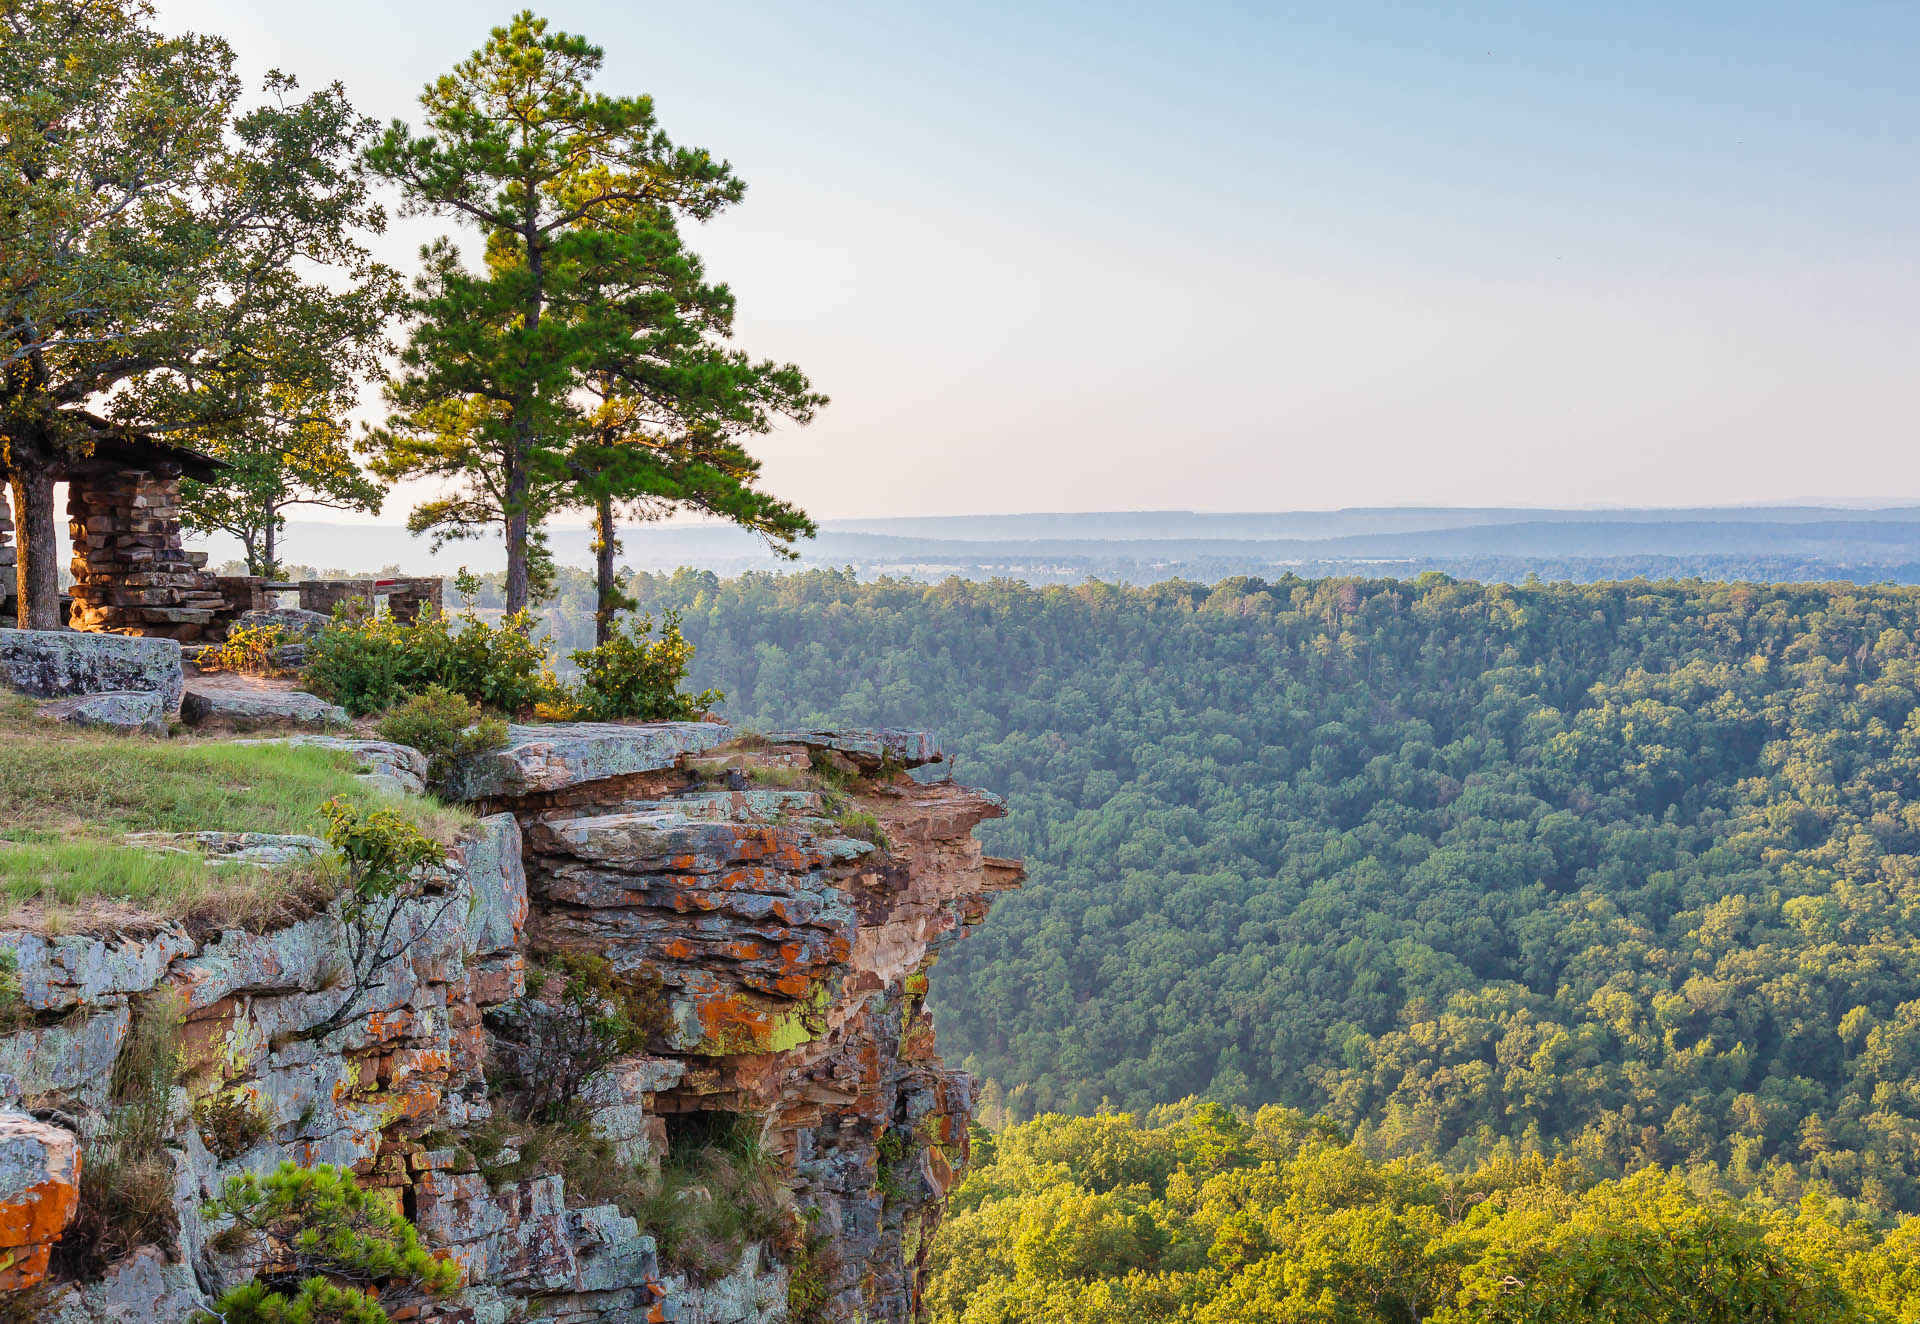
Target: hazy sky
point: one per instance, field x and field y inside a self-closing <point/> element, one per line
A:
<point x="1226" y="256"/>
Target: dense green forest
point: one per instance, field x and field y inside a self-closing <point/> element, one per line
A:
<point x="1204" y="1217"/>
<point x="1628" y="873"/>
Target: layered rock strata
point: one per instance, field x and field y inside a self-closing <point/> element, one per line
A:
<point x="777" y="904"/>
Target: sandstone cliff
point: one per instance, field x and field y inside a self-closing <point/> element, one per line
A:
<point x="776" y="903"/>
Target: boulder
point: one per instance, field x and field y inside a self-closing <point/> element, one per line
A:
<point x="556" y="756"/>
<point x="144" y="1288"/>
<point x="39" y="1192"/>
<point x="118" y="710"/>
<point x="236" y="709"/>
<point x="56" y="664"/>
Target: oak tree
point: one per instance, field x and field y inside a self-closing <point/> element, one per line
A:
<point x="161" y="252"/>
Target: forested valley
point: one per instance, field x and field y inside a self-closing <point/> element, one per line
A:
<point x="1622" y="875"/>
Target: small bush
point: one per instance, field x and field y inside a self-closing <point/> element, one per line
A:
<point x="126" y="1176"/>
<point x="386" y="856"/>
<point x="332" y="1246"/>
<point x="315" y="1301"/>
<point x="634" y="678"/>
<point x="859" y="823"/>
<point x="444" y="726"/>
<point x="896" y="1152"/>
<point x="230" y="1121"/>
<point x="370" y="663"/>
<point x="811" y="1263"/>
<point x="247" y="649"/>
<point x="577" y="1021"/>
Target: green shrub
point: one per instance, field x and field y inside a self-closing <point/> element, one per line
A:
<point x="14" y="1012"/>
<point x="862" y="824"/>
<point x="315" y="1301"/>
<point x="369" y="663"/>
<point x="811" y="1264"/>
<point x="576" y="1021"/>
<point x="126" y="1176"/>
<point x="230" y="1121"/>
<point x="332" y="1242"/>
<point x="632" y="677"/>
<point x="444" y="726"/>
<point x="386" y="856"/>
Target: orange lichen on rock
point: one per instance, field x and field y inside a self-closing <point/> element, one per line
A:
<point x="39" y="1194"/>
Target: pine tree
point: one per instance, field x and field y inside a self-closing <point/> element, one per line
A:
<point x="517" y="146"/>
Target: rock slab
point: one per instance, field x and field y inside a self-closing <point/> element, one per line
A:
<point x="559" y="755"/>
<point x="131" y="711"/>
<point x="57" y="664"/>
<point x="259" y="710"/>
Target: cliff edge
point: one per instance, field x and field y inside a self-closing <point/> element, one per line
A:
<point x="761" y="912"/>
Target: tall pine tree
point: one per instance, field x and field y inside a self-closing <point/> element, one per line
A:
<point x="489" y="391"/>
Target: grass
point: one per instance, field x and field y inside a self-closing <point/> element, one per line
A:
<point x="709" y="1200"/>
<point x="705" y="1203"/>
<point x="67" y="795"/>
<point x="126" y="1178"/>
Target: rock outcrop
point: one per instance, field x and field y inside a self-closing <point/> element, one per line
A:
<point x="776" y="905"/>
<point x="56" y="664"/>
<point x="39" y="1192"/>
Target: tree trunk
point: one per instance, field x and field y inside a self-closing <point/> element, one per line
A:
<point x="516" y="511"/>
<point x="268" y="564"/>
<point x="39" y="546"/>
<point x="603" y="548"/>
<point x="516" y="514"/>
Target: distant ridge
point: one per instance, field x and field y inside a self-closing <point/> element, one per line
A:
<point x="1765" y="542"/>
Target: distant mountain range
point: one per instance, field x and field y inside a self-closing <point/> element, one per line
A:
<point x="1749" y="542"/>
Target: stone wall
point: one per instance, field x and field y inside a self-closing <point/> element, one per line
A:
<point x="131" y="574"/>
<point x="404" y="597"/>
<point x="789" y="960"/>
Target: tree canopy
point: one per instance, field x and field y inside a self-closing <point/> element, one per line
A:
<point x="1204" y="1216"/>
<point x="1628" y="872"/>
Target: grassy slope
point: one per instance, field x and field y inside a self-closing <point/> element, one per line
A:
<point x="67" y="796"/>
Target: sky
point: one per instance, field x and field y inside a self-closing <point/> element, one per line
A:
<point x="1233" y="257"/>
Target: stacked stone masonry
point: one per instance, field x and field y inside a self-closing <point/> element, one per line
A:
<point x="404" y="597"/>
<point x="788" y="956"/>
<point x="130" y="573"/>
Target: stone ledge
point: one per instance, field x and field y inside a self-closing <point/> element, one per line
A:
<point x="554" y="757"/>
<point x="870" y="749"/>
